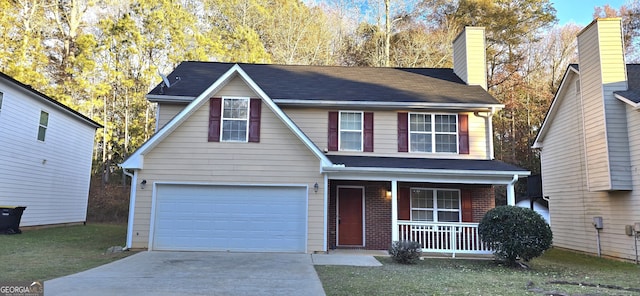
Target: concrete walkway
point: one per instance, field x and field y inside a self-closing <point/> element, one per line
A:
<point x="349" y="257"/>
<point x="195" y="273"/>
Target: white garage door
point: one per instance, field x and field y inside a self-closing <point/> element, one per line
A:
<point x="230" y="218"/>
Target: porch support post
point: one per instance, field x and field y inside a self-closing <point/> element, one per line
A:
<point x="511" y="191"/>
<point x="394" y="210"/>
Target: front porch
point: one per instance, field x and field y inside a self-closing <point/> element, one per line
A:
<point x="373" y="201"/>
<point x="454" y="238"/>
<point x="360" y="216"/>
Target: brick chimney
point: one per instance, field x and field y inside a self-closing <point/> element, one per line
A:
<point x="603" y="71"/>
<point x="469" y="56"/>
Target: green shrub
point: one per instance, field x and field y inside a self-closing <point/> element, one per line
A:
<point x="405" y="252"/>
<point x="515" y="233"/>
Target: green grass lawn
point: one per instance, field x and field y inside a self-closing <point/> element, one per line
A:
<point x="558" y="272"/>
<point x="43" y="254"/>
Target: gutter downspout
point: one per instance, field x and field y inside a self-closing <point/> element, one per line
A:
<point x="489" y="118"/>
<point x="326" y="213"/>
<point x="511" y="192"/>
<point x="132" y="203"/>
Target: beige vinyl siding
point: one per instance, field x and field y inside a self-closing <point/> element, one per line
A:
<point x="236" y="88"/>
<point x="563" y="176"/>
<point x="186" y="156"/>
<point x="571" y="205"/>
<point x="314" y="123"/>
<point x="166" y="111"/>
<point x="602" y="72"/>
<point x="469" y="61"/>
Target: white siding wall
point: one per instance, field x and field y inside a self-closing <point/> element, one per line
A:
<point x="50" y="178"/>
<point x="314" y="123"/>
<point x="187" y="156"/>
<point x="602" y="72"/>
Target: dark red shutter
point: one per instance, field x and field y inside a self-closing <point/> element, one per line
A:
<point x="467" y="206"/>
<point x="255" y="107"/>
<point x="333" y="131"/>
<point x="368" y="132"/>
<point x="463" y="133"/>
<point x="404" y="203"/>
<point x="403" y="132"/>
<point x="215" y="108"/>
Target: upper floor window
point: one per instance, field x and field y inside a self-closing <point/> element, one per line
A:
<point x="235" y="119"/>
<point x="350" y="131"/>
<point x="433" y="132"/>
<point x="43" y="125"/>
<point x="435" y="205"/>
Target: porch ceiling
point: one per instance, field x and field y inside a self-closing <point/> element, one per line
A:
<point x="467" y="171"/>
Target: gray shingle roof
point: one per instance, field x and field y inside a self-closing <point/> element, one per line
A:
<point x="633" y="79"/>
<point x="50" y="100"/>
<point x="332" y="83"/>
<point x="423" y="163"/>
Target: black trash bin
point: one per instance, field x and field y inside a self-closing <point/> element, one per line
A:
<point x="10" y="219"/>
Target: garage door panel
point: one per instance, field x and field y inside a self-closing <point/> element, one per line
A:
<point x="242" y="218"/>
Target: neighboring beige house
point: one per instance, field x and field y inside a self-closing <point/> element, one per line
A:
<point x="590" y="148"/>
<point x="289" y="158"/>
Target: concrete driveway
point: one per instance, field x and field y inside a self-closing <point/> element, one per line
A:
<point x="195" y="273"/>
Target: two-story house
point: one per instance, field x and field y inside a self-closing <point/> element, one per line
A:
<point x="590" y="148"/>
<point x="307" y="158"/>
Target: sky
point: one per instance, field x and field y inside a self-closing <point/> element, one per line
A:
<point x="580" y="11"/>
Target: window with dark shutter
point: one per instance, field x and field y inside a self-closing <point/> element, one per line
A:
<point x="368" y="132"/>
<point x="332" y="142"/>
<point x="467" y="206"/>
<point x="403" y="132"/>
<point x="254" y="120"/>
<point x="215" y="109"/>
<point x="404" y="203"/>
<point x="463" y="134"/>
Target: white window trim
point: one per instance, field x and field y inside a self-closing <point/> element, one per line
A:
<point x="435" y="209"/>
<point x="222" y="119"/>
<point x="46" y="127"/>
<point x="340" y="130"/>
<point x="433" y="133"/>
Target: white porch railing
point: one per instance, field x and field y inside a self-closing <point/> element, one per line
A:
<point x="454" y="238"/>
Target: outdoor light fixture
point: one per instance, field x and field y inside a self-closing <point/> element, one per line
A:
<point x="315" y="187"/>
<point x="143" y="184"/>
<point x="388" y="193"/>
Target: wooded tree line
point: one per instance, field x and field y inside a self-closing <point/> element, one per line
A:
<point x="102" y="56"/>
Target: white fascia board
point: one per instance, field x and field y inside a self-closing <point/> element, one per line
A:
<point x="423" y="175"/>
<point x="537" y="143"/>
<point x="169" y="99"/>
<point x="633" y="104"/>
<point x="374" y="104"/>
<point x="133" y="162"/>
<point x="288" y="122"/>
<point x="136" y="159"/>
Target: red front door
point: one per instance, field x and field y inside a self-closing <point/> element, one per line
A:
<point x="350" y="216"/>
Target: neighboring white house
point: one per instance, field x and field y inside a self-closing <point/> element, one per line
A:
<point x="45" y="156"/>
<point x="590" y="148"/>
